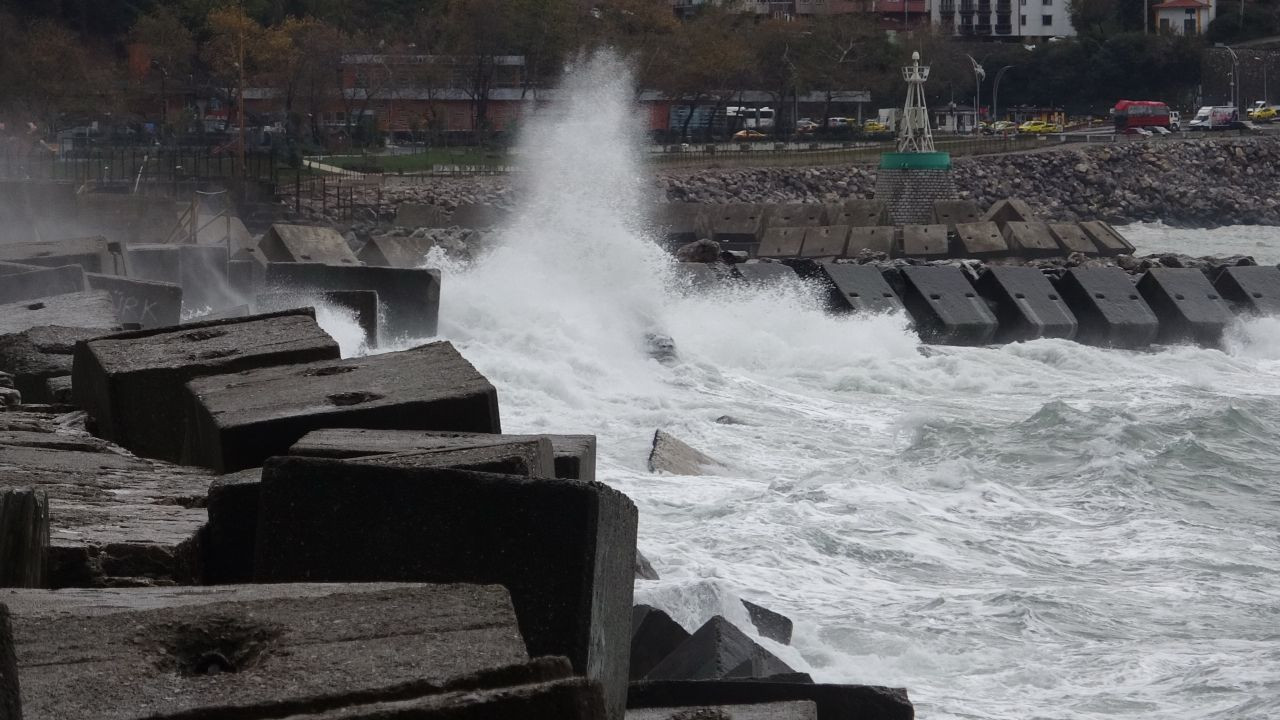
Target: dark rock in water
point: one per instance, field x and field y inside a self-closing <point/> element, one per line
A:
<point x="674" y="456"/>
<point x="729" y="420"/>
<point x="718" y="650"/>
<point x="733" y="257"/>
<point x="703" y="251"/>
<point x="661" y="348"/>
<point x="644" y="569"/>
<point x="775" y="626"/>
<point x="654" y="636"/>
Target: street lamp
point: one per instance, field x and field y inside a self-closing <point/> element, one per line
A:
<point x="1235" y="68"/>
<point x="995" y="92"/>
<point x="978" y="74"/>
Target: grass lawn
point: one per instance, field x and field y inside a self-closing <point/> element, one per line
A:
<point x="424" y="161"/>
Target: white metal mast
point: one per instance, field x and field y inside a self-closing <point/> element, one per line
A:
<point x="915" y="135"/>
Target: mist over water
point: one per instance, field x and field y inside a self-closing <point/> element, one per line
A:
<point x="1039" y="530"/>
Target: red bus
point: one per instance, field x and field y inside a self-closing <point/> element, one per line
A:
<point x="1140" y="113"/>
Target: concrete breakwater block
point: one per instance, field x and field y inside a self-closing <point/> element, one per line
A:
<point x="859" y="213"/>
<point x="871" y="238"/>
<point x="11" y="268"/>
<point x="796" y="710"/>
<point x="41" y="282"/>
<point x="1108" y="309"/>
<point x="828" y="241"/>
<point x="1072" y="238"/>
<point x="857" y="288"/>
<point x="805" y="215"/>
<point x="1253" y="289"/>
<point x="834" y="702"/>
<point x="92" y="308"/>
<point x="671" y="455"/>
<point x="132" y="383"/>
<point x="1109" y="241"/>
<point x="397" y="252"/>
<point x="93" y="254"/>
<point x="981" y="240"/>
<point x="1030" y="239"/>
<point x="763" y="273"/>
<point x="409" y="298"/>
<point x="781" y="242"/>
<point x="775" y="626"/>
<point x="239" y="420"/>
<point x="204" y="277"/>
<point x="141" y="302"/>
<point x="736" y="223"/>
<point x="718" y="650"/>
<point x="37" y="354"/>
<point x="947" y="310"/>
<point x="1027" y="305"/>
<point x="419" y="215"/>
<point x="654" y="636"/>
<point x="564" y="548"/>
<point x="925" y="241"/>
<point x="1009" y="210"/>
<point x="1190" y="310"/>
<point x="955" y="212"/>
<point x="255" y="651"/>
<point x="574" y="455"/>
<point x="526" y="458"/>
<point x="156" y="262"/>
<point x="561" y="698"/>
<point x="306" y="244"/>
<point x="680" y="223"/>
<point x="360" y="305"/>
<point x="476" y="216"/>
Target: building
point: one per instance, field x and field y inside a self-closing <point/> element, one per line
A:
<point x="1185" y="17"/>
<point x="1022" y="19"/>
<point x="785" y="8"/>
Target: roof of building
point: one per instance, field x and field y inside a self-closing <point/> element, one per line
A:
<point x="1178" y="4"/>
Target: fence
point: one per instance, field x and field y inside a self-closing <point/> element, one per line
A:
<point x="136" y="166"/>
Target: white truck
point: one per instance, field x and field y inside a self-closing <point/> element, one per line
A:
<point x="1215" y="117"/>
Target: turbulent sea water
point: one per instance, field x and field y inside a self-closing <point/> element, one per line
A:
<point x="1039" y="530"/>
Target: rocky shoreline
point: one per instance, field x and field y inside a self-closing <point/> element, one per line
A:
<point x="1193" y="183"/>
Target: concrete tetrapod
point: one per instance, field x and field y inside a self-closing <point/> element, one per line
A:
<point x="858" y="288"/>
<point x="1108" y="308"/>
<point x="1026" y="303"/>
<point x="947" y="310"/>
<point x="1253" y="289"/>
<point x="1189" y="308"/>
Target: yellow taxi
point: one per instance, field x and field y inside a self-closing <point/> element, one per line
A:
<point x="874" y="126"/>
<point x="1039" y="126"/>
<point x="1262" y="114"/>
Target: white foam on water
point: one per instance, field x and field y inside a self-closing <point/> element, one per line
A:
<point x="1260" y="241"/>
<point x="1039" y="530"/>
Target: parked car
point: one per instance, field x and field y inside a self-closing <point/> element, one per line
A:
<point x="749" y="135"/>
<point x="805" y="125"/>
<point x="874" y="126"/>
<point x="838" y="122"/>
<point x="1261" y="112"/>
<point x="1138" y="131"/>
<point x="1175" y="120"/>
<point x="1039" y="127"/>
<point x="1160" y="130"/>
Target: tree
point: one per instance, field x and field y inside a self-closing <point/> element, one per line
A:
<point x="237" y="52"/>
<point x="52" y="73"/>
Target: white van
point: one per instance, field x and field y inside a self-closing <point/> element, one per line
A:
<point x="1175" y="120"/>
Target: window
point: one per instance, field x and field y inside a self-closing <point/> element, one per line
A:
<point x="1023" y="19"/>
<point x="1046" y="20"/>
<point x="1189" y="27"/>
<point x="1047" y="3"/>
<point x="1164" y="25"/>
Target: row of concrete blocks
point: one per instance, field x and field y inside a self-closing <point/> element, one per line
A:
<point x="474" y="216"/>
<point x="983" y="239"/>
<point x="1096" y="306"/>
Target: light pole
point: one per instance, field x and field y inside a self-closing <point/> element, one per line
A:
<point x="995" y="92"/>
<point x="978" y="74"/>
<point x="1235" y="67"/>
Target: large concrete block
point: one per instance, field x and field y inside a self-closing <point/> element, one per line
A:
<point x="781" y="242"/>
<point x="764" y="273"/>
<point x="980" y="240"/>
<point x="876" y="239"/>
<point x="791" y="710"/>
<point x="925" y="241"/>
<point x="157" y="263"/>
<point x="132" y="383"/>
<point x="575" y="455"/>
<point x="41" y="282"/>
<point x="955" y="212"/>
<point x="239" y="420"/>
<point x="858" y="288"/>
<point x="1190" y="310"/>
<point x="397" y="252"/>
<point x="419" y="215"/>
<point x="827" y="241"/>
<point x="805" y="215"/>
<point x="835" y="702"/>
<point x="1253" y="289"/>
<point x="260" y="651"/>
<point x="204" y="279"/>
<point x="564" y="548"/>
<point x="409" y="298"/>
<point x="141" y="302"/>
<point x="1072" y="239"/>
<point x="1109" y="241"/>
<point x="306" y="244"/>
<point x="1026" y="304"/>
<point x="718" y="650"/>
<point x="737" y="222"/>
<point x="680" y="223"/>
<point x="477" y="216"/>
<point x="769" y="624"/>
<point x="1108" y="308"/>
<point x="38" y="354"/>
<point x="228" y="539"/>
<point x="561" y="698"/>
<point x="92" y="308"/>
<point x="10" y="268"/>
<point x="1030" y="239"/>
<point x="947" y="310"/>
<point x="860" y="213"/>
<point x="94" y="254"/>
<point x="654" y="636"/>
<point x="1010" y="210"/>
<point x="360" y="305"/>
<point x="526" y="458"/>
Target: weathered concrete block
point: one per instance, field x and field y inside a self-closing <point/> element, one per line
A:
<point x="39" y="353"/>
<point x="157" y="263"/>
<point x="654" y="636"/>
<point x="92" y="308"/>
<point x="1030" y="239"/>
<point x="41" y="282"/>
<point x="227" y="541"/>
<point x="806" y="215"/>
<point x="835" y="702"/>
<point x="1108" y="308"/>
<point x="1109" y="241"/>
<point x="1009" y="210"/>
<point x="828" y="241"/>
<point x="781" y="242"/>
<point x="526" y="458"/>
<point x="10" y="268"/>
<point x="670" y="454"/>
<point x="10" y="690"/>
<point x="24" y="537"/>
<point x="1072" y="239"/>
<point x="132" y="383"/>
<point x="946" y="308"/>
<point x="565" y="698"/>
<point x="956" y="212"/>
<point x="258" y="651"/>
<point x="980" y="240"/>
<point x="877" y="239"/>
<point x="58" y="389"/>
<point x="148" y="304"/>
<point x="477" y="216"/>
<point x="360" y="305"/>
<point x="738" y="222"/>
<point x="861" y="213"/>
<point x="681" y="223"/>
<point x="419" y="215"/>
<point x="570" y="580"/>
<point x="718" y="650"/>
<point x="574" y="455"/>
<point x="858" y="288"/>
<point x="204" y="277"/>
<point x="306" y="244"/>
<point x="93" y="254"/>
<point x="775" y="626"/>
<point x="1190" y="310"/>
<point x="397" y="252"/>
<point x="763" y="273"/>
<point x="409" y="298"/>
<point x="244" y="279"/>
<point x="791" y="710"/>
<point x="925" y="241"/>
<point x="1253" y="289"/>
<point x="1026" y="304"/>
<point x="239" y="420"/>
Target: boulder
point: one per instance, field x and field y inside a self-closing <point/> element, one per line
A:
<point x="699" y="251"/>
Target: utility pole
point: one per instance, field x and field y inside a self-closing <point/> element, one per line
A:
<point x="995" y="93"/>
<point x="240" y="100"/>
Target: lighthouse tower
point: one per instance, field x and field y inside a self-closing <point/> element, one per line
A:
<point x="912" y="179"/>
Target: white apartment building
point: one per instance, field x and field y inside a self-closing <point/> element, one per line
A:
<point x="1027" y="19"/>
